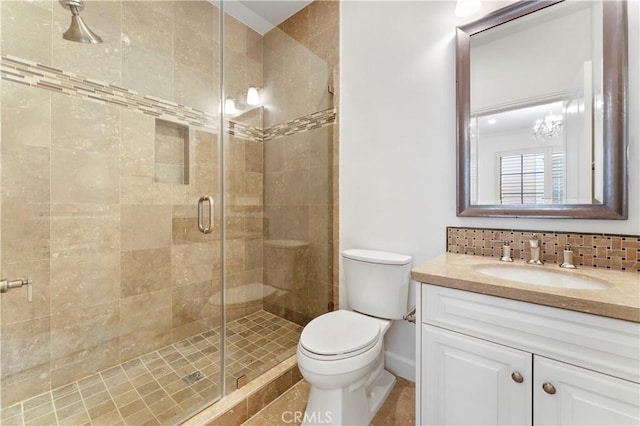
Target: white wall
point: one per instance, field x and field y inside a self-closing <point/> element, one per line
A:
<point x="397" y="139"/>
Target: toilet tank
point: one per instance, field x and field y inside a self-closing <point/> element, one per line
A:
<point x="377" y="282"/>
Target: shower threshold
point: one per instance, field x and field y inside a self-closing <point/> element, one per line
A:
<point x="166" y="385"/>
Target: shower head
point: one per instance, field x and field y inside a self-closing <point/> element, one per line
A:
<point x="78" y="30"/>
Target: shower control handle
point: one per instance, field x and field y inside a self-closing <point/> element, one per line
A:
<point x="201" y="226"/>
<point x="6" y="285"/>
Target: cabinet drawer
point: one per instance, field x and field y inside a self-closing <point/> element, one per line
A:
<point x="603" y="344"/>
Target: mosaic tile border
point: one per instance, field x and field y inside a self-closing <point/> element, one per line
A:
<point x="301" y="124"/>
<point x="29" y="73"/>
<point x="617" y="252"/>
<point x="23" y="71"/>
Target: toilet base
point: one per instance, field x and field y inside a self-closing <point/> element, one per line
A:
<point x="348" y="406"/>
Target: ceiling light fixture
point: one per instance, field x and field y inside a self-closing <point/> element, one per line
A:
<point x="548" y="128"/>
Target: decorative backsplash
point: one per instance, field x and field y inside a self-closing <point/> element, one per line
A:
<point x="619" y="252"/>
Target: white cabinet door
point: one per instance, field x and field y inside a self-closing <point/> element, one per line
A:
<point x="577" y="396"/>
<point x="468" y="381"/>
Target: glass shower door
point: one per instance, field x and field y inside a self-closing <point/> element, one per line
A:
<point x="105" y="152"/>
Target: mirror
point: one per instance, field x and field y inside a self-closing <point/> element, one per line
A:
<point x="542" y="111"/>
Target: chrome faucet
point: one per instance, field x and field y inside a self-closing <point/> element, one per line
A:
<point x="567" y="258"/>
<point x="534" y="246"/>
<point x="506" y="250"/>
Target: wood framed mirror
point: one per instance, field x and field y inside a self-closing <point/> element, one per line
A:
<point x="558" y="148"/>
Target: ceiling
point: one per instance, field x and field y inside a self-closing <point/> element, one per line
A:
<point x="263" y="15"/>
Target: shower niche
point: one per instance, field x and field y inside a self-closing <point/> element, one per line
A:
<point x="171" y="153"/>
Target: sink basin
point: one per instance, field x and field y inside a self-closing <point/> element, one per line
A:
<point x="542" y="276"/>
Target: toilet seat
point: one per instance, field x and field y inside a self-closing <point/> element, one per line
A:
<point x="340" y="334"/>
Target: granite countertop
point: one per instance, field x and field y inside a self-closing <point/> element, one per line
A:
<point x="621" y="300"/>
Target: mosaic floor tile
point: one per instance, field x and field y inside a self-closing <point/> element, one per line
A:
<point x="160" y="387"/>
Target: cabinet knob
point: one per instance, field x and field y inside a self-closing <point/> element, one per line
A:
<point x="549" y="388"/>
<point x="517" y="377"/>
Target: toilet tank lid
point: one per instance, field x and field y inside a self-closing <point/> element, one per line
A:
<point x="374" y="256"/>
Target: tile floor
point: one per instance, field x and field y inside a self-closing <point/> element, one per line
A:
<point x="287" y="410"/>
<point x="160" y="387"/>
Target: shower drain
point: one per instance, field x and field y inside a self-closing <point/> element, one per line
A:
<point x="190" y="379"/>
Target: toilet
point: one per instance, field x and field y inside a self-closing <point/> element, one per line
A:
<point x="341" y="353"/>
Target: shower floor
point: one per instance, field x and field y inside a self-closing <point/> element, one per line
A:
<point x="161" y="386"/>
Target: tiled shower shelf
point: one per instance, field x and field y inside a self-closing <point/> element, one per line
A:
<point x="162" y="386"/>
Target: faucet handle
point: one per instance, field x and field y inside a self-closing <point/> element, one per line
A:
<point x="506" y="250"/>
<point x="567" y="256"/>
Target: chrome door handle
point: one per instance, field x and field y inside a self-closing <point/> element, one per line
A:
<point x="209" y="228"/>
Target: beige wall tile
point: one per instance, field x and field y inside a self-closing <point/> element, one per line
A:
<point x="25" y="347"/>
<point x="235" y="153"/>
<point x="98" y="61"/>
<point x="253" y="157"/>
<point x="143" y="271"/>
<point x="295" y="188"/>
<point x="147" y="71"/>
<point x="191" y="303"/>
<point x="193" y="40"/>
<point x="81" y="125"/>
<point x="83" y="232"/>
<point x="26" y="115"/>
<point x="320" y="218"/>
<point x="84" y="177"/>
<point x="144" y="190"/>
<point x="274" y="188"/>
<point x="31" y="374"/>
<point x="204" y="149"/>
<point x="26" y="172"/>
<point x="195" y="88"/>
<point x="297" y="26"/>
<point x="26" y="30"/>
<point x="137" y="144"/>
<point x="144" y="330"/>
<point x="253" y="45"/>
<point x="273" y="45"/>
<point x="323" y="14"/>
<point x="25" y="231"/>
<point x="274" y="155"/>
<point x="295" y="151"/>
<point x="15" y="305"/>
<point x="193" y="263"/>
<point x="203" y="180"/>
<point x="320" y="262"/>
<point x="320" y="185"/>
<point x="235" y="34"/>
<point x="83" y="341"/>
<point x="253" y="188"/>
<point x="170" y="144"/>
<point x="82" y="281"/>
<point x="145" y="226"/>
<point x="147" y="27"/>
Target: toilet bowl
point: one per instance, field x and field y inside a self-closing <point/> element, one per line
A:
<point x="341" y="353"/>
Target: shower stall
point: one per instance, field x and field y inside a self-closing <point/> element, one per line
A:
<point x="166" y="203"/>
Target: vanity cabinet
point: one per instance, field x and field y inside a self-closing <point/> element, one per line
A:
<point x="489" y="360"/>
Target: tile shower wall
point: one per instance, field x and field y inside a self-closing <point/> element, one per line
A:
<point x="619" y="252"/>
<point x="300" y="62"/>
<point x="119" y="268"/>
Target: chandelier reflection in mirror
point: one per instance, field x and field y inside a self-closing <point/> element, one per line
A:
<point x="548" y="128"/>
